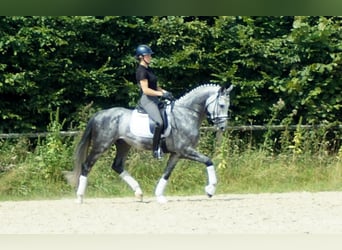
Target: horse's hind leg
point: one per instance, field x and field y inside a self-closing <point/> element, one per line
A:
<point x="122" y="149"/>
<point x="86" y="168"/>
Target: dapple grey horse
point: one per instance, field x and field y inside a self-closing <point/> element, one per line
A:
<point x="112" y="126"/>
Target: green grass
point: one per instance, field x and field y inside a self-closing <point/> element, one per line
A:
<point x="243" y="166"/>
<point x="252" y="171"/>
<point x="256" y="171"/>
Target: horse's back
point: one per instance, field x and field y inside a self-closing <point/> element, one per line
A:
<point x="114" y="112"/>
<point x="112" y="118"/>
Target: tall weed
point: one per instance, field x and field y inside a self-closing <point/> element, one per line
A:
<point x="39" y="173"/>
<point x="306" y="166"/>
<point x="286" y="161"/>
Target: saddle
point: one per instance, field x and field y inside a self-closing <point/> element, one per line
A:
<point x="143" y="126"/>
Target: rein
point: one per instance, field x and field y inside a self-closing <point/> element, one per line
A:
<point x="214" y="118"/>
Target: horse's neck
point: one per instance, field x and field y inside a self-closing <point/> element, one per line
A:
<point x="196" y="99"/>
<point x="191" y="107"/>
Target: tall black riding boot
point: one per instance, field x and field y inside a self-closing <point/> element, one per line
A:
<point x="157" y="151"/>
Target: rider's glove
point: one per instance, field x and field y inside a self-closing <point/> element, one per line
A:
<point x="168" y="96"/>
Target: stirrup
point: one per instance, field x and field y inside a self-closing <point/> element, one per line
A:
<point x="158" y="153"/>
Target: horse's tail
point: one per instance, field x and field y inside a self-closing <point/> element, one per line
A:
<point x="80" y="155"/>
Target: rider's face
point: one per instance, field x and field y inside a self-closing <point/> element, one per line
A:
<point x="148" y="58"/>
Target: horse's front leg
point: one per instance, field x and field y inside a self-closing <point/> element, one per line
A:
<point x="160" y="188"/>
<point x="212" y="180"/>
<point x="192" y="154"/>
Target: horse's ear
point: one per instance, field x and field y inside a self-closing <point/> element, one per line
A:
<point x="224" y="87"/>
<point x="227" y="87"/>
<point x="230" y="88"/>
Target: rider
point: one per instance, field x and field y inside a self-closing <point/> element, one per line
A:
<point x="150" y="91"/>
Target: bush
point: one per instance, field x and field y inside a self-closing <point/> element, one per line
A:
<point x="302" y="161"/>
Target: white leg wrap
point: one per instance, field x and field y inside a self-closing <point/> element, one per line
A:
<point x="212" y="180"/>
<point x="160" y="191"/>
<point x="130" y="180"/>
<point x="82" y="185"/>
<point x="160" y="187"/>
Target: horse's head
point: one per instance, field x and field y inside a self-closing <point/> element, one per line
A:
<point x="217" y="107"/>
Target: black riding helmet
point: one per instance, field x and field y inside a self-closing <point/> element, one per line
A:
<point x="143" y="50"/>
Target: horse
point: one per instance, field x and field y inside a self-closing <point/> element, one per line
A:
<point x="114" y="126"/>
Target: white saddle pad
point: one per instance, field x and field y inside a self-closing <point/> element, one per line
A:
<point x="140" y="125"/>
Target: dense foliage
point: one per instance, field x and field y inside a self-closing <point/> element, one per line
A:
<point x="287" y="69"/>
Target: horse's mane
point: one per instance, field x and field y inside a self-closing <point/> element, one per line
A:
<point x="200" y="87"/>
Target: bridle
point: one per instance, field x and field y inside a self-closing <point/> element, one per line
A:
<point x="215" y="116"/>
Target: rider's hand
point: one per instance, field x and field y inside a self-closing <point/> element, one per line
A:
<point x="168" y="96"/>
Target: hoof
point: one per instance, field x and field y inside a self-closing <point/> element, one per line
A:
<point x="210" y="190"/>
<point x="139" y="194"/>
<point x="161" y="199"/>
<point x="79" y="199"/>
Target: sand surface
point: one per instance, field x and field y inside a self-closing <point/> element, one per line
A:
<point x="295" y="213"/>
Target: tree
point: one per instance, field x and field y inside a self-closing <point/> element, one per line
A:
<point x="71" y="62"/>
